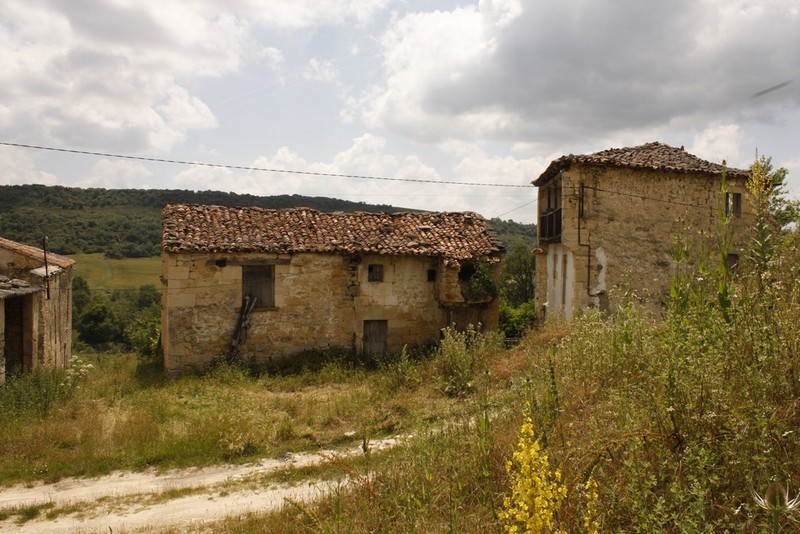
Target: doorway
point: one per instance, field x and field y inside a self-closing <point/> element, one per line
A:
<point x="375" y="338"/>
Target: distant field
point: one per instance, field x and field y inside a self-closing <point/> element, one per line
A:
<point x="102" y="273"/>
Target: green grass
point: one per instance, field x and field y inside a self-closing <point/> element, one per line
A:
<point x="103" y="273"/>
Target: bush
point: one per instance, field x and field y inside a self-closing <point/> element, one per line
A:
<point x="515" y="322"/>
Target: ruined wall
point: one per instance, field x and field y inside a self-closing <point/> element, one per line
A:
<point x="629" y="222"/>
<point x="321" y="301"/>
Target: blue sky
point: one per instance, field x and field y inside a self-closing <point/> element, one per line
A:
<point x="487" y="91"/>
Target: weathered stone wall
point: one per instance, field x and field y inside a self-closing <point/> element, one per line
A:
<point x="54" y="344"/>
<point x="629" y="222"/>
<point x="321" y="301"/>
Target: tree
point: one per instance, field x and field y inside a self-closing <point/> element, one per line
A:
<point x="783" y="209"/>
<point x="519" y="274"/>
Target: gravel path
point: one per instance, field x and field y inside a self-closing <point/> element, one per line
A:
<point x="126" y="502"/>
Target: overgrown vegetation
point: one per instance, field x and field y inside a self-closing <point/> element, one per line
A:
<point x="517" y="289"/>
<point x="121" y="320"/>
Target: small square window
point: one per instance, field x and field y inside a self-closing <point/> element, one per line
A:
<point x="431" y="275"/>
<point x="375" y="272"/>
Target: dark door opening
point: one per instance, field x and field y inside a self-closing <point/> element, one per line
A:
<point x="14" y="335"/>
<point x="375" y="338"/>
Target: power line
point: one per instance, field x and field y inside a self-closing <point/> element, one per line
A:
<point x="258" y="169"/>
<point x="515" y="209"/>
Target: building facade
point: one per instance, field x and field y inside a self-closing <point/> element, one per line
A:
<point x="268" y="284"/>
<point x="611" y="220"/>
<point x="35" y="309"/>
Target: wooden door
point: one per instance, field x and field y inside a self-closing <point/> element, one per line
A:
<point x="375" y="338"/>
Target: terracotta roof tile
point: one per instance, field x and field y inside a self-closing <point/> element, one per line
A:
<point x="36" y="253"/>
<point x="213" y="229"/>
<point x="651" y="156"/>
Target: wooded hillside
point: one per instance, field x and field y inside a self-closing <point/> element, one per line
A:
<point x="126" y="223"/>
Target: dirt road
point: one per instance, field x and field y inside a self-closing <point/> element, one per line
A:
<point x="127" y="502"/>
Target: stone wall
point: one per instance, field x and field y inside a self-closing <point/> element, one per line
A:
<point x="629" y="222"/>
<point x="321" y="302"/>
<point x="54" y="343"/>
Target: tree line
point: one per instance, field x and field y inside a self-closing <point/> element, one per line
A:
<point x="126" y="223"/>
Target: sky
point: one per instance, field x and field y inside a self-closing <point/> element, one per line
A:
<point x="485" y="92"/>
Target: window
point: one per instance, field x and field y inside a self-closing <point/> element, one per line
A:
<point x="258" y="281"/>
<point x="550" y="213"/>
<point x="733" y="204"/>
<point x="375" y="272"/>
<point x="431" y="275"/>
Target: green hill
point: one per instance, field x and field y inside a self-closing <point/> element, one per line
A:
<point x="126" y="223"/>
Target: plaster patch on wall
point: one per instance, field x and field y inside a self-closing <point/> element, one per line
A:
<point x="602" y="262"/>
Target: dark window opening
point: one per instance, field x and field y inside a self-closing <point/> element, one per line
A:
<point x="221" y="263"/>
<point x="733" y="204"/>
<point x="258" y="282"/>
<point x="431" y="275"/>
<point x="466" y="272"/>
<point x="375" y="273"/>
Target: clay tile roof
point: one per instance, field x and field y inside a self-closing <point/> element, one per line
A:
<point x="650" y="156"/>
<point x="451" y="236"/>
<point x="36" y="253"/>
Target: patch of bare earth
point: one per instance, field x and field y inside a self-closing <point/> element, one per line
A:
<point x="127" y="502"/>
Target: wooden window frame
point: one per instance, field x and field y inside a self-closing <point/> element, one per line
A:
<point x="259" y="281"/>
<point x="733" y="205"/>
<point x="375" y="272"/>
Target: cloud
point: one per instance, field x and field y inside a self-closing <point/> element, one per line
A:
<point x="411" y="183"/>
<point x="321" y="71"/>
<point x="569" y="71"/>
<point x="18" y="167"/>
<point x="116" y="174"/>
<point x="719" y="142"/>
<point x="123" y="75"/>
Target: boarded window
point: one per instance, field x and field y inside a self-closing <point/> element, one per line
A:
<point x="375" y="273"/>
<point x="258" y="281"/>
<point x="733" y="204"/>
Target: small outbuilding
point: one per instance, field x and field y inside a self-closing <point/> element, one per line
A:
<point x="266" y="284"/>
<point x="35" y="309"/>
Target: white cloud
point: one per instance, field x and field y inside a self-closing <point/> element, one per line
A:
<point x="116" y="174"/>
<point x="121" y="74"/>
<point x="18" y="167"/>
<point x="718" y="142"/>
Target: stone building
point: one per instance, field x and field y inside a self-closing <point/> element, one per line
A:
<point x="610" y="219"/>
<point x="35" y="309"/>
<point x="266" y="284"/>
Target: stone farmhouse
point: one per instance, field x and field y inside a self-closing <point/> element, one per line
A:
<point x="265" y="284"/>
<point x="609" y="219"/>
<point x="35" y="309"/>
